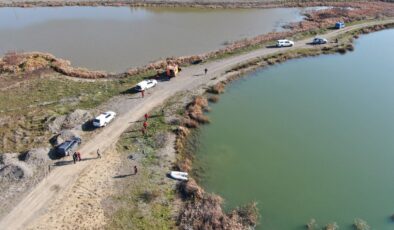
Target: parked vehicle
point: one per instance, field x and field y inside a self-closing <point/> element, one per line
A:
<point x="339" y="25"/>
<point x="103" y="119"/>
<point x="319" y="41"/>
<point x="146" y="84"/>
<point x="284" y="43"/>
<point x="172" y="70"/>
<point x="67" y="147"/>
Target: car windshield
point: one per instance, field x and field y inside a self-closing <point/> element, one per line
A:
<point x="96" y="120"/>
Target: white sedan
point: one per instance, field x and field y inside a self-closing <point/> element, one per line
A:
<point x="284" y="43"/>
<point x="103" y="119"/>
<point x="146" y="84"/>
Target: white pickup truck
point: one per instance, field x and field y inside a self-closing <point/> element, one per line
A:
<point x="103" y="119"/>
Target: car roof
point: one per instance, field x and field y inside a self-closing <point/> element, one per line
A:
<point x="104" y="114"/>
<point x="109" y="112"/>
<point x="145" y="82"/>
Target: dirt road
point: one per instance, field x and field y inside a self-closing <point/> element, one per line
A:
<point x="132" y="109"/>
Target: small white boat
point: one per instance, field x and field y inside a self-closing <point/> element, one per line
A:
<point x="179" y="175"/>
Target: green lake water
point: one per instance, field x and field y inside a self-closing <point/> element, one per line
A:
<point x="310" y="138"/>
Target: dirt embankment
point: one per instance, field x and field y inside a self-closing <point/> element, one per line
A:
<point x="314" y="23"/>
<point x="16" y="63"/>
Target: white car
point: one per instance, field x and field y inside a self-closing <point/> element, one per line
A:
<point x="284" y="43"/>
<point x="103" y="119"/>
<point x="146" y="84"/>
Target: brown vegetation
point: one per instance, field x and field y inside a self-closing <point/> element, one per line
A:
<point x="195" y="110"/>
<point x="217" y="88"/>
<point x="16" y="63"/>
<point x="204" y="211"/>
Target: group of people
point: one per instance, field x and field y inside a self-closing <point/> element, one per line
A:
<point x="145" y="125"/>
<point x="76" y="157"/>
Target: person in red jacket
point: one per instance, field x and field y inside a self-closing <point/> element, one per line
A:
<point x="146" y="116"/>
<point x="145" y="125"/>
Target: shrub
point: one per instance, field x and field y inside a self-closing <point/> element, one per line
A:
<point x="360" y="224"/>
<point x="332" y="226"/>
<point x="217" y="89"/>
<point x="149" y="196"/>
<point x="312" y="225"/>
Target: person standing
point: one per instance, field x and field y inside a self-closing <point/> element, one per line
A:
<point x="145" y="125"/>
<point x="142" y="93"/>
<point x="98" y="154"/>
<point x="79" y="156"/>
<point x="162" y="112"/>
<point x="146" y="116"/>
<point x="75" y="157"/>
<point x="135" y="170"/>
<point x="206" y="71"/>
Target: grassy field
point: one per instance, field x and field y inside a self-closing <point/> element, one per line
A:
<point x="27" y="105"/>
<point x="147" y="200"/>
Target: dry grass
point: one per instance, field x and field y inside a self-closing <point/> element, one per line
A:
<point x="204" y="211"/>
<point x="195" y="110"/>
<point x="217" y="88"/>
<point x="14" y="62"/>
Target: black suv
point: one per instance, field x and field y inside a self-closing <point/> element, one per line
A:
<point x="65" y="148"/>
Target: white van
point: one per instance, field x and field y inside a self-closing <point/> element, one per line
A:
<point x="103" y="119"/>
<point x="284" y="43"/>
